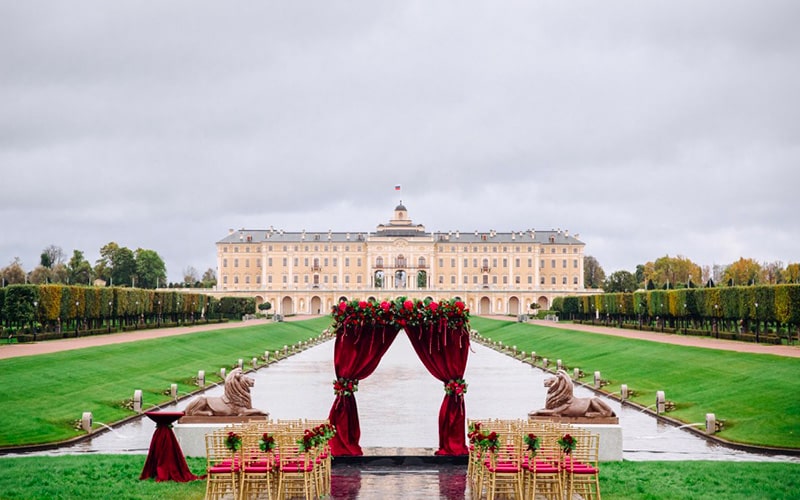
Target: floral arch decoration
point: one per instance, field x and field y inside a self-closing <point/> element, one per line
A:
<point x="439" y="333"/>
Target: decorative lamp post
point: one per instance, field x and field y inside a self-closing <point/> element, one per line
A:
<point x="77" y="306"/>
<point x="716" y="327"/>
<point x="35" y="317"/>
<point x="756" y="304"/>
<point x="108" y="317"/>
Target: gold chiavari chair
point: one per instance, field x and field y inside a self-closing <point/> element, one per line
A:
<point x="223" y="464"/>
<point x="542" y="472"/>
<point x="581" y="467"/>
<point x="259" y="467"/>
<point x="296" y="473"/>
<point x="502" y="469"/>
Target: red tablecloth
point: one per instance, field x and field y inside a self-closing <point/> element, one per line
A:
<point x="165" y="460"/>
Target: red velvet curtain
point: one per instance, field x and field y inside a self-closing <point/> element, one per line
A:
<point x="444" y="353"/>
<point x="356" y="354"/>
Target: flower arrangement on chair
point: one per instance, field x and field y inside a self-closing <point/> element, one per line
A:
<point x="267" y="442"/>
<point x="534" y="442"/>
<point x="481" y="439"/>
<point x="307" y="441"/>
<point x="345" y="386"/>
<point x="457" y="387"/>
<point x="233" y="441"/>
<point x="567" y="443"/>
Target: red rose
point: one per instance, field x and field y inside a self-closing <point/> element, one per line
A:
<point x="385" y="306"/>
<point x="342" y="306"/>
<point x="362" y="304"/>
<point x="409" y="305"/>
<point x="460" y="305"/>
<point x="433" y="306"/>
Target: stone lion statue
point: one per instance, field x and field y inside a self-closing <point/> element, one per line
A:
<point x="235" y="401"/>
<point x="561" y="403"/>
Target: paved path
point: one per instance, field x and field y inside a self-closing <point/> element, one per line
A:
<point x="50" y="346"/>
<point x="687" y="340"/>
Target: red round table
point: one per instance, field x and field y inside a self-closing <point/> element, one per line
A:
<point x="165" y="460"/>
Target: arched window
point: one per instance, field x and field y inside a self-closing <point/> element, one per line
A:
<point x="401" y="261"/>
<point x="422" y="262"/>
<point x="379" y="262"/>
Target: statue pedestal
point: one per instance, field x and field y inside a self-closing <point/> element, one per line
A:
<point x="191" y="431"/>
<point x="607" y="428"/>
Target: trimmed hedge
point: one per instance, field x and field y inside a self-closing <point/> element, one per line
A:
<point x="739" y="306"/>
<point x="49" y="310"/>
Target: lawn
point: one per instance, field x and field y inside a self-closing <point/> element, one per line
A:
<point x="43" y="397"/>
<point x="755" y="394"/>
<point x="117" y="476"/>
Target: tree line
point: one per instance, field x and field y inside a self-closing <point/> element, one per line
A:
<point x="117" y="266"/>
<point x="680" y="272"/>
<point x="34" y="312"/>
<point x="746" y="311"/>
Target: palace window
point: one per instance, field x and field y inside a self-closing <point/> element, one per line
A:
<point x="235" y="262"/>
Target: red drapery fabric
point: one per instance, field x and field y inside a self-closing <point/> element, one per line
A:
<point x="356" y="354"/>
<point x="165" y="460"/>
<point x="444" y="351"/>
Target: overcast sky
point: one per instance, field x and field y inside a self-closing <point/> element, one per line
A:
<point x="652" y="129"/>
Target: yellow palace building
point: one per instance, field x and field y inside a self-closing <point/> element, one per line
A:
<point x="493" y="272"/>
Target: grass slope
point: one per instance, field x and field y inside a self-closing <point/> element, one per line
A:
<point x="755" y="394"/>
<point x="41" y="397"/>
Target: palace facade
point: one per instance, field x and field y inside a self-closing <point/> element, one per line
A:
<point x="309" y="272"/>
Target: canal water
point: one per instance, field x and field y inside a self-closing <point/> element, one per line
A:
<point x="399" y="405"/>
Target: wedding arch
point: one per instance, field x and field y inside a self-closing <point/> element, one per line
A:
<point x="439" y="334"/>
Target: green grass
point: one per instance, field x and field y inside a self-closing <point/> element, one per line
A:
<point x="755" y="394"/>
<point x="699" y="480"/>
<point x="42" y="397"/>
<point x="117" y="476"/>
